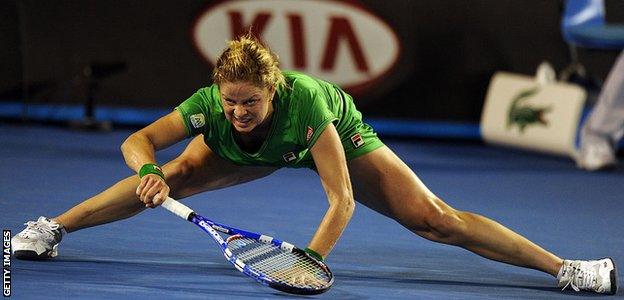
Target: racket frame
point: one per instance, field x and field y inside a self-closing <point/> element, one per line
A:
<point x="213" y="229"/>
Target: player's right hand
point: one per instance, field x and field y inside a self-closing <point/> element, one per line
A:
<point x="153" y="190"/>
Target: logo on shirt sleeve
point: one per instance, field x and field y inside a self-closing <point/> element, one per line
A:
<point x="309" y="134"/>
<point x="198" y="120"/>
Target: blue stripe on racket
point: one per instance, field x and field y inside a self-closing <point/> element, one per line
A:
<point x="269" y="261"/>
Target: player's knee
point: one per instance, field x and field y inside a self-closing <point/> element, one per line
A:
<point x="446" y="226"/>
<point x="443" y="224"/>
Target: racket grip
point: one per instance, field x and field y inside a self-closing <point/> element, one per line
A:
<point x="177" y="208"/>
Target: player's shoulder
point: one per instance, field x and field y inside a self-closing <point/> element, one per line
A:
<point x="297" y="80"/>
<point x="209" y="96"/>
<point x="209" y="93"/>
<point x="296" y="75"/>
<point x="301" y="86"/>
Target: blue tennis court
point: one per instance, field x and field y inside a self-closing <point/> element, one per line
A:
<point x="155" y="255"/>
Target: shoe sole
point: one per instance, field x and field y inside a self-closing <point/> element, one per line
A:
<point x="602" y="168"/>
<point x="31" y="255"/>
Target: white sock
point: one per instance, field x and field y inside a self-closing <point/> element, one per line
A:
<point x="561" y="271"/>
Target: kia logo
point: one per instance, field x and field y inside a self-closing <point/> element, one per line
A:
<point x="339" y="41"/>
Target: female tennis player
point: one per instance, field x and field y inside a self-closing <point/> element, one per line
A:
<point x="255" y="119"/>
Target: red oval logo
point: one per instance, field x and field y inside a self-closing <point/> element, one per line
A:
<point x="339" y="41"/>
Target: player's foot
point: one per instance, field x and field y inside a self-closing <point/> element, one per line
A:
<point x="596" y="154"/>
<point x="39" y="240"/>
<point x="598" y="276"/>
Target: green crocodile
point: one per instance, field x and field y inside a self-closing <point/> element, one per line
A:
<point x="525" y="115"/>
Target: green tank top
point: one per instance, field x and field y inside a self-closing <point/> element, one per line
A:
<point x="302" y="110"/>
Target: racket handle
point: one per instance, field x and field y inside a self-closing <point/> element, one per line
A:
<point x="177" y="208"/>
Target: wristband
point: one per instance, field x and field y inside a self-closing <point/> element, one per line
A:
<point x="313" y="254"/>
<point x="151" y="169"/>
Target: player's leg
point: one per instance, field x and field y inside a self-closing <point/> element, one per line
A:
<point x="196" y="170"/>
<point x="384" y="183"/>
<point x="605" y="125"/>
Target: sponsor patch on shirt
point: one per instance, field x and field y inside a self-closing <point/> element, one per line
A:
<point x="198" y="120"/>
<point x="357" y="140"/>
<point x="309" y="134"/>
<point x="288" y="157"/>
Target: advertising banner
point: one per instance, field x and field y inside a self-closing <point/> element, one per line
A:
<point x="521" y="112"/>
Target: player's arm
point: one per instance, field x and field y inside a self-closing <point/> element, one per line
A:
<point x="140" y="147"/>
<point x="331" y="164"/>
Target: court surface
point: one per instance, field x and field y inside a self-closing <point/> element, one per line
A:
<point x="156" y="255"/>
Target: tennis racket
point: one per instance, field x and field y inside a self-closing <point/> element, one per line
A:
<point x="271" y="262"/>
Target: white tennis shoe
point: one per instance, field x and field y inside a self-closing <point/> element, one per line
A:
<point x="598" y="276"/>
<point x="596" y="154"/>
<point x="39" y="240"/>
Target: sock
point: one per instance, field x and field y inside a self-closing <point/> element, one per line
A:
<point x="561" y="270"/>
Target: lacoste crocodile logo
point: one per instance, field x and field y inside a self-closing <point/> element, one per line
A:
<point x="523" y="115"/>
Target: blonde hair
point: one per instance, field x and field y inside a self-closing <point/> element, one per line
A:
<point x="247" y="59"/>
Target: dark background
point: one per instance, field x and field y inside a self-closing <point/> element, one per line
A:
<point x="451" y="48"/>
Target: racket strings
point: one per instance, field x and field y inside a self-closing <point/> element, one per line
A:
<point x="297" y="271"/>
<point x="289" y="268"/>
